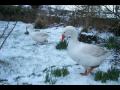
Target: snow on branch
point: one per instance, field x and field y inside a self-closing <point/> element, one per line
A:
<point x="112" y="11"/>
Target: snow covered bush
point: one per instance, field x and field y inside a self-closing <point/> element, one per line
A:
<point x="61" y="45"/>
<point x="88" y="35"/>
<point x="87" y="38"/>
<point x="111" y="74"/>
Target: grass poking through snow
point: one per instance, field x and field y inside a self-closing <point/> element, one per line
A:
<point x="53" y="73"/>
<point x="111" y="74"/>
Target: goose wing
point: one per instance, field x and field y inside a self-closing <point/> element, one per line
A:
<point x="94" y="50"/>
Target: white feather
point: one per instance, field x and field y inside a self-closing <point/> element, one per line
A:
<point x="85" y="54"/>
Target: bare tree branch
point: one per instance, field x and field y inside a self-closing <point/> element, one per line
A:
<point x="8" y="35"/>
<point x="5" y="30"/>
<point x="116" y="14"/>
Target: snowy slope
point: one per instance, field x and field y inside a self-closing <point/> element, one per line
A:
<point x="24" y="62"/>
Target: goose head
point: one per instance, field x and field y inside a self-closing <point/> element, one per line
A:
<point x="70" y="33"/>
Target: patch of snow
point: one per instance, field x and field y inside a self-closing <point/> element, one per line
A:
<point x="24" y="61"/>
<point x="88" y="34"/>
<point x="105" y="35"/>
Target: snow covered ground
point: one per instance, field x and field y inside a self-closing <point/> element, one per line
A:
<point x="23" y="62"/>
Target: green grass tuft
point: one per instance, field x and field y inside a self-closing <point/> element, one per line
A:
<point x="111" y="74"/>
<point x="112" y="43"/>
<point x="53" y="73"/>
<point x="60" y="72"/>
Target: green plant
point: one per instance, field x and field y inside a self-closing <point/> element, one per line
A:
<point x="62" y="45"/>
<point x="112" y="43"/>
<point x="87" y="38"/>
<point x="65" y="72"/>
<point x="111" y="74"/>
<point x="52" y="73"/>
<point x="60" y="72"/>
<point x="49" y="78"/>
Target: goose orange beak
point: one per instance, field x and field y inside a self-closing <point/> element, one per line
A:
<point x="63" y="36"/>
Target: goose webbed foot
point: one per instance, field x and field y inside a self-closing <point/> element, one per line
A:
<point x="87" y="71"/>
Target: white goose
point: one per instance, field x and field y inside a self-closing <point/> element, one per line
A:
<point x="39" y="37"/>
<point x="88" y="55"/>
